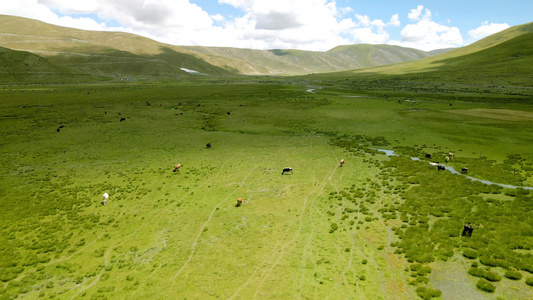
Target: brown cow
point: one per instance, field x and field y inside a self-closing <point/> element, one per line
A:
<point x="177" y="168"/>
<point x="239" y="202"/>
<point x="341" y="163"/>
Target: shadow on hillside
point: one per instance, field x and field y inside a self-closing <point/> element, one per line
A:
<point x="115" y="63"/>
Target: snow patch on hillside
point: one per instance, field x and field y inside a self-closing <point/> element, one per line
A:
<point x="191" y="71"/>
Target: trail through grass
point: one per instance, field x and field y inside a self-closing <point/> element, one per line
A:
<point x="373" y="228"/>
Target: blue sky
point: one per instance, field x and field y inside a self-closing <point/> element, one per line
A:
<point x="317" y="25"/>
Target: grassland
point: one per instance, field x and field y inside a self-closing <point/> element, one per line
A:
<point x="379" y="227"/>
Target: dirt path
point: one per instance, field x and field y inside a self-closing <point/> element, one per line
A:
<point x="97" y="278"/>
<point x="201" y="229"/>
<point x="281" y="251"/>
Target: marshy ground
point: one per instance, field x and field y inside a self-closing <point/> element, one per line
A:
<point x="378" y="227"/>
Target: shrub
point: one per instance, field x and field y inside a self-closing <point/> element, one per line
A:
<point x="529" y="281"/>
<point x="422" y="279"/>
<point x="427" y="293"/>
<point x="514" y="275"/>
<point x="334" y="227"/>
<point x="485" y="286"/>
<point x="415" y="267"/>
<point x="424" y="271"/>
<point x="469" y="253"/>
<point x="490" y="276"/>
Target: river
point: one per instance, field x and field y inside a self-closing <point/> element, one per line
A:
<point x="451" y="169"/>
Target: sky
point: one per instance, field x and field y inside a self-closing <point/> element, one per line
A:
<point x="316" y="25"/>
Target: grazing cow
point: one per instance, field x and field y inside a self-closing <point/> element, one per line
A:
<point x="105" y="197"/>
<point x="62" y="126"/>
<point x="450" y="155"/>
<point x="176" y="168"/>
<point x="286" y="170"/>
<point x="58" y="130"/>
<point x="122" y="119"/>
<point x="239" y="202"/>
<point x="441" y="167"/>
<point x="467" y="230"/>
<point x="229" y="113"/>
<point x="428" y="155"/>
<point x="208" y="145"/>
<point x="447" y="158"/>
<point x="433" y="164"/>
<point x="464" y="170"/>
<point x="341" y="163"/>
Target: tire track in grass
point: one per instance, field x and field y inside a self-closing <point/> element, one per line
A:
<point x="125" y="238"/>
<point x="277" y="249"/>
<point x="206" y="182"/>
<point x="97" y="278"/>
<point x="281" y="251"/>
<point x="307" y="246"/>
<point x="201" y="230"/>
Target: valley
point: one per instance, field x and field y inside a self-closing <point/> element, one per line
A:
<point x="375" y="227"/>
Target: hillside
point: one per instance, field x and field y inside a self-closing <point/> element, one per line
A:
<point x="117" y="54"/>
<point x="502" y="58"/>
<point x="111" y="54"/>
<point x="293" y="62"/>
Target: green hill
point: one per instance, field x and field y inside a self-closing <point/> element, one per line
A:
<point x="110" y="54"/>
<point x="20" y="66"/>
<point x="116" y="54"/>
<point x="503" y="58"/>
<point x="294" y="62"/>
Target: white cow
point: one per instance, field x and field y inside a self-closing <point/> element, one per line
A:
<point x="105" y="196"/>
<point x="433" y="164"/>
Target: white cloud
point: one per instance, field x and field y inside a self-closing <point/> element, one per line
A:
<point x="261" y="24"/>
<point x="395" y="20"/>
<point x="370" y="31"/>
<point x="487" y="29"/>
<point x="416" y="14"/>
<point x="426" y="34"/>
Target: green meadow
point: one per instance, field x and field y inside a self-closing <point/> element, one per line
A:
<point x="379" y="227"/>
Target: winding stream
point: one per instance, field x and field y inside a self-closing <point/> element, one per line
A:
<point x="451" y="169"/>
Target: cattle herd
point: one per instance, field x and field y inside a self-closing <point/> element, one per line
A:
<point x="467" y="230"/>
<point x="443" y="167"/>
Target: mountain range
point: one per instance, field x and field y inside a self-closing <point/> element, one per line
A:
<point x="34" y="51"/>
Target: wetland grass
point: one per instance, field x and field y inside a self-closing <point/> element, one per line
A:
<point x="380" y="226"/>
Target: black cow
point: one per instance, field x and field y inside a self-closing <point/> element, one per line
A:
<point x="441" y="167"/>
<point x="428" y="155"/>
<point x="467" y="230"/>
<point x="122" y="119"/>
<point x="464" y="170"/>
<point x="286" y="170"/>
<point x="208" y="145"/>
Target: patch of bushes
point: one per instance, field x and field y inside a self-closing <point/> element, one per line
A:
<point x="486" y="286"/>
<point x="529" y="281"/>
<point x="513" y="275"/>
<point x="428" y="293"/>
<point x="490" y="276"/>
<point x="469" y="253"/>
<point x="334" y="227"/>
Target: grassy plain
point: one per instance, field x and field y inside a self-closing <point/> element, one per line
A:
<point x="379" y="227"/>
